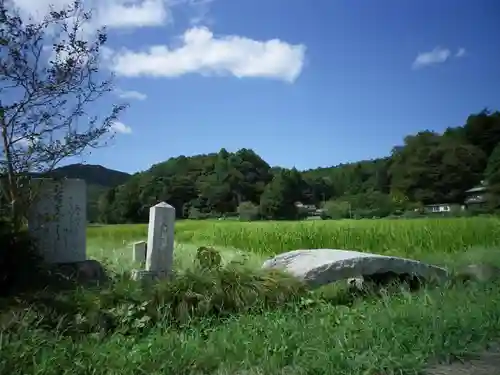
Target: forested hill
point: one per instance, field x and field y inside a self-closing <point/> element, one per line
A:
<point x="426" y="168"/>
<point x="98" y="178"/>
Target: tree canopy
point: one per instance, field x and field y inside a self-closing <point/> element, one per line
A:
<point x="428" y="168"/>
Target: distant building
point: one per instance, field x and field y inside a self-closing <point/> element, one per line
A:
<point x="476" y="197"/>
<point x="311" y="209"/>
<point x="439" y="207"/>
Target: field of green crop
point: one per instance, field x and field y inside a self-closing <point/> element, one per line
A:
<point x="398" y="333"/>
<point x="434" y="240"/>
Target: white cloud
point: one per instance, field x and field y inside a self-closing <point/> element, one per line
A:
<point x="110" y="13"/>
<point x="120" y="127"/>
<point x="38" y="8"/>
<point x="461" y="52"/>
<point x="113" y="14"/>
<point x="437" y="56"/>
<point x="130" y="94"/>
<point x="119" y="14"/>
<point x="202" y="52"/>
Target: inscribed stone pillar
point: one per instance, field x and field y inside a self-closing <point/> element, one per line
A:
<point x="160" y="247"/>
<point x="57" y="219"/>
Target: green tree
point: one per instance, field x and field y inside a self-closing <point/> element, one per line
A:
<point x="127" y="207"/>
<point x="235" y="178"/>
<point x="278" y="199"/>
<point x="316" y="189"/>
<point x="371" y="204"/>
<point x="493" y="165"/>
<point x="106" y="207"/>
<point x="431" y="168"/>
<point x="255" y="174"/>
<point x="248" y="211"/>
<point x="483" y="130"/>
<point x="337" y="209"/>
<point x="217" y="187"/>
<point x="492" y="177"/>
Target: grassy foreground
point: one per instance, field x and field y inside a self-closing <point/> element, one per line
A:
<point x="395" y="334"/>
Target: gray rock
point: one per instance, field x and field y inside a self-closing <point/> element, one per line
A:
<point x="319" y="267"/>
<point x="478" y="272"/>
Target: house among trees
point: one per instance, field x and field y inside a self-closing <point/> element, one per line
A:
<point x="476" y="197"/>
<point x="440" y="207"/>
<point x="310" y="210"/>
<point x="309" y="207"/>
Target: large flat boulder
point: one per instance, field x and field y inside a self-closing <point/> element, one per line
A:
<point x="319" y="267"/>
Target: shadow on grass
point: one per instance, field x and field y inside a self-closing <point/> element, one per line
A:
<point x="196" y="296"/>
<point x="193" y="297"/>
<point x="127" y="307"/>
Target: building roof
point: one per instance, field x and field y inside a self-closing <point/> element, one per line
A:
<point x="476" y="189"/>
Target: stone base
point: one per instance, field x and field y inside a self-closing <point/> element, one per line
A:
<point x="143" y="275"/>
<point x="87" y="272"/>
<point x="149" y="276"/>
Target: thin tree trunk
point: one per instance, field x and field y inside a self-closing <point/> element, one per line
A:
<point x="11" y="178"/>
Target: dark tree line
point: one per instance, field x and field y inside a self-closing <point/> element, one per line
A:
<point x="428" y="168"/>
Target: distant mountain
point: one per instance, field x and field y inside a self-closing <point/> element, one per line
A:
<point x="98" y="179"/>
<point x="92" y="174"/>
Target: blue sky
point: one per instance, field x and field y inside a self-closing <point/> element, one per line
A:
<point x="303" y="83"/>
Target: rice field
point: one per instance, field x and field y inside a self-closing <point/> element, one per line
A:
<point x="434" y="240"/>
<point x="401" y="333"/>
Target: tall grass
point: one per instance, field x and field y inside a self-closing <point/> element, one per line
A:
<point x="116" y="234"/>
<point x="403" y="237"/>
<point x="396" y="334"/>
<point x="414" y="238"/>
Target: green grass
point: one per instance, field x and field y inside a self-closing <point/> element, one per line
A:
<point x="435" y="240"/>
<point x="408" y="237"/>
<point x="312" y="334"/>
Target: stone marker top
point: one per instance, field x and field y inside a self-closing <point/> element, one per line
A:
<point x="164" y="205"/>
<point x="322" y="266"/>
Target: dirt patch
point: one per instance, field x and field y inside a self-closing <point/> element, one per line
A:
<point x="487" y="363"/>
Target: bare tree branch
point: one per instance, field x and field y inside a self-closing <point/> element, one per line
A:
<point x="50" y="80"/>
